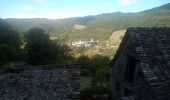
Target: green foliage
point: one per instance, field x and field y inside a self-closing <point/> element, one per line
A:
<point x="65" y="54"/>
<point x="101" y="76"/>
<point x="37" y="46"/>
<point x="91" y="65"/>
<point x="40" y="50"/>
<point x="10" y="44"/>
<point x="86" y="65"/>
<point x="85" y="83"/>
<point x="94" y="72"/>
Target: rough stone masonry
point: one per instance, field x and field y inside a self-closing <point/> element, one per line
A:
<point x="141" y="66"/>
<point x="61" y="82"/>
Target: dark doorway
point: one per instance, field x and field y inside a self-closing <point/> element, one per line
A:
<point x="126" y="92"/>
<point x="130" y="70"/>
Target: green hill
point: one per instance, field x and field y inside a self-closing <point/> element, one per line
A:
<point x="98" y="27"/>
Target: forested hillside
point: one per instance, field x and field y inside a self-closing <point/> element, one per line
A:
<point x="97" y="27"/>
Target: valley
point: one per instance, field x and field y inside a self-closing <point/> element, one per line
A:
<point x="91" y="41"/>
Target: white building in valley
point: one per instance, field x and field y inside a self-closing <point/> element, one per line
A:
<point x="84" y="43"/>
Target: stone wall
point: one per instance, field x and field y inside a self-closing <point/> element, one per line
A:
<point x="140" y="67"/>
<point x="61" y="82"/>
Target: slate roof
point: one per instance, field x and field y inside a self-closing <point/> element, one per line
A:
<point x="153" y="52"/>
<point x="151" y="47"/>
<point x="41" y="83"/>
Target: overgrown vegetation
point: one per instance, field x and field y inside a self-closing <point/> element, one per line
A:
<point x="10" y="44"/>
<point x="34" y="47"/>
<point x="40" y="50"/>
<point x="94" y="73"/>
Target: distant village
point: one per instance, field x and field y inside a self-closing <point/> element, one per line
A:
<point x="81" y="43"/>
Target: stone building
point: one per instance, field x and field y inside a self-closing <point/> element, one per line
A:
<point x="61" y="82"/>
<point x="141" y="66"/>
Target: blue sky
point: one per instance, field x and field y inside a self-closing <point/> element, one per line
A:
<point x="56" y="9"/>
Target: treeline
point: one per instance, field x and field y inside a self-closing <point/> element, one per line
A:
<point x="33" y="47"/>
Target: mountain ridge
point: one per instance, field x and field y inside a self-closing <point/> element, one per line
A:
<point x="99" y="26"/>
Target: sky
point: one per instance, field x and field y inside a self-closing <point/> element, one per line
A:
<point x="58" y="9"/>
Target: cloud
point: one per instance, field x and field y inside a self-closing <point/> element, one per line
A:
<point x="26" y="12"/>
<point x="40" y="1"/>
<point x="28" y="8"/>
<point x="127" y="2"/>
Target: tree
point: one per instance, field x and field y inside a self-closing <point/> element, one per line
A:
<point x="37" y="47"/>
<point x="86" y="65"/>
<point x="40" y="50"/>
<point x="65" y="54"/>
<point x="10" y="44"/>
